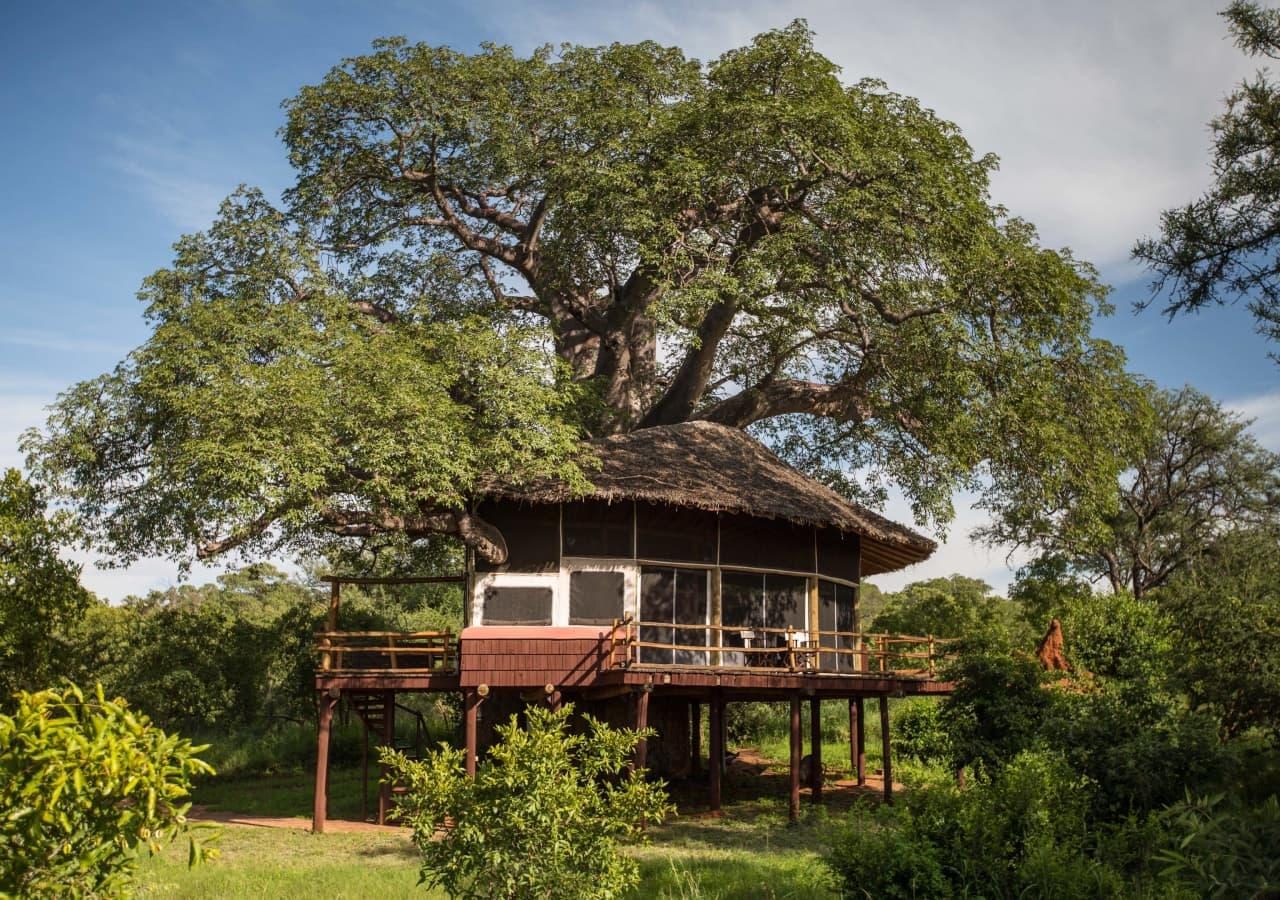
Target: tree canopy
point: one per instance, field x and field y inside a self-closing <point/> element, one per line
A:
<point x="1225" y="245"/>
<point x="487" y="257"/>
<point x="40" y="593"/>
<point x="1199" y="474"/>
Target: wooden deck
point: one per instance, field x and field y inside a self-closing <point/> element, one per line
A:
<point x="590" y="660"/>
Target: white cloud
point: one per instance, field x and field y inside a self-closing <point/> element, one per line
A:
<point x="1264" y="410"/>
<point x="959" y="554"/>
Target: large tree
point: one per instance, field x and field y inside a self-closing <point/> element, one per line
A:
<point x="487" y="257"/>
<point x="1200" y="474"/>
<point x="1225" y="245"/>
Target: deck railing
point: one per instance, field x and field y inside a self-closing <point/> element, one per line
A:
<point x="764" y="649"/>
<point x="412" y="652"/>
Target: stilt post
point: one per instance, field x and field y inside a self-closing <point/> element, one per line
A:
<point x="795" y="758"/>
<point x="320" y="810"/>
<point x="695" y="737"/>
<point x="388" y="740"/>
<point x="815" y="749"/>
<point x="470" y="705"/>
<point x="885" y="750"/>
<point x="715" y="761"/>
<point x="860" y="741"/>
<point x="641" y="723"/>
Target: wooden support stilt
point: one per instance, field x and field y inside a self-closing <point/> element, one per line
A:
<point x="364" y="770"/>
<point x="470" y="705"/>
<point x="860" y="741"/>
<point x="795" y="758"/>
<point x="641" y="723"/>
<point x="320" y="810"/>
<point x="388" y="740"/>
<point x="695" y="738"/>
<point x="715" y="762"/>
<point x="815" y="749"/>
<point x="885" y="750"/>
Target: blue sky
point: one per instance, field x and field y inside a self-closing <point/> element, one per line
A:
<point x="126" y="123"/>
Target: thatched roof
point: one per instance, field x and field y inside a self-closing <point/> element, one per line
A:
<point x="714" y="467"/>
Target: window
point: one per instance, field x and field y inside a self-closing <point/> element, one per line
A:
<point x="765" y="544"/>
<point x="678" y="597"/>
<point x="596" y="598"/>
<point x="838" y="554"/>
<point x="836" y="613"/>
<point x="595" y="528"/>
<point x="517" y="605"/>
<point x="750" y="603"/>
<point x="680" y="535"/>
<point x="532" y="533"/>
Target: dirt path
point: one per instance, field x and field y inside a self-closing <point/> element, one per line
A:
<point x="200" y="814"/>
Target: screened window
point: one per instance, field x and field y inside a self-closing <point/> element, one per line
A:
<point x="836" y="613"/>
<point x="838" y="554"/>
<point x="512" y="605"/>
<point x="765" y="544"/>
<point x="593" y="528"/>
<point x="596" y="598"/>
<point x="752" y="606"/>
<point x="680" y="535"/>
<point x="532" y="533"/>
<point x="674" y="603"/>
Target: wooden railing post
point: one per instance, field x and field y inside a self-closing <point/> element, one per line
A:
<point x="931" y="666"/>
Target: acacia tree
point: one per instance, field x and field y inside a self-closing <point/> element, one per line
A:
<point x="1225" y="245"/>
<point x="487" y="257"/>
<point x="1199" y="475"/>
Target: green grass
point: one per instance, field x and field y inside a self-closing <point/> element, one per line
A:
<point x="289" y="863"/>
<point x="748" y="852"/>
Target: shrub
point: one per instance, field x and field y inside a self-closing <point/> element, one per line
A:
<point x="542" y="817"/>
<point x="83" y="784"/>
<point x="918" y="731"/>
<point x="998" y="706"/>
<point x="1221" y="848"/>
<point x="875" y="857"/>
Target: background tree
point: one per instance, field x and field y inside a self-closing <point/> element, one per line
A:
<point x="1225" y="245"/>
<point x="1226" y="613"/>
<point x="946" y="607"/>
<point x="483" y="254"/>
<point x="1199" y="474"/>
<point x="40" y="593"/>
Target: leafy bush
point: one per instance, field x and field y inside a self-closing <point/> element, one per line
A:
<point x="542" y="818"/>
<point x="918" y="731"/>
<point x="874" y="857"/>
<point x="1222" y="848"/>
<point x="998" y="706"/>
<point x="1023" y="833"/>
<point x="83" y="784"/>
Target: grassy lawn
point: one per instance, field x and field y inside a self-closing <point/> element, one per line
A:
<point x="749" y="851"/>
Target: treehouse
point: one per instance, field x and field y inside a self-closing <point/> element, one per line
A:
<point x="699" y="570"/>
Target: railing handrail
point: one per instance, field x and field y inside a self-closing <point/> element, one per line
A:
<point x="800" y="647"/>
<point x="437" y="649"/>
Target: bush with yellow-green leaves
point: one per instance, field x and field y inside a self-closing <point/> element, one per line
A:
<point x="85" y="785"/>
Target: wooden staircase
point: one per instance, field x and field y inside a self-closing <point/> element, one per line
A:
<point x="377" y="713"/>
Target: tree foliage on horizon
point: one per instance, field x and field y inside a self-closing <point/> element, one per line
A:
<point x="1199" y="474"/>
<point x="486" y="258"/>
<point x="1225" y="245"/>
